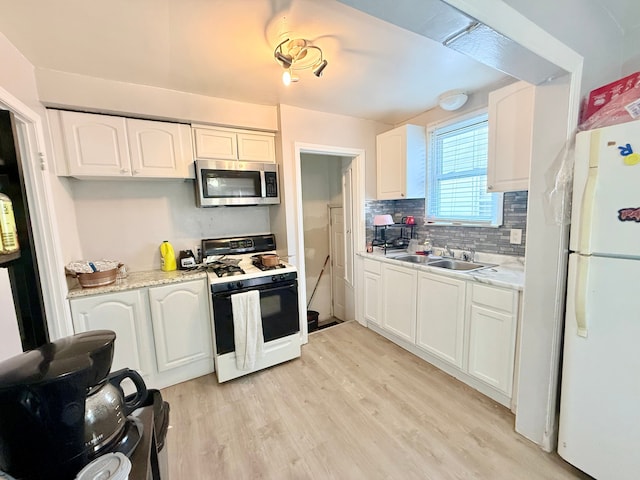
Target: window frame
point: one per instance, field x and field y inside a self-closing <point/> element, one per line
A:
<point x="497" y="197"/>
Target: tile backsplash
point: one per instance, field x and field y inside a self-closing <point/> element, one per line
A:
<point x="481" y="239"/>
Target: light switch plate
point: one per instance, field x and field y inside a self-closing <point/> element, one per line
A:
<point x="515" y="236"/>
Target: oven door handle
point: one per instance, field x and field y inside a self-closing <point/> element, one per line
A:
<point x="262" y="289"/>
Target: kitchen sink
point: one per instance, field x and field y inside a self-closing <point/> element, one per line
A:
<point x="460" y="265"/>
<point x="413" y="258"/>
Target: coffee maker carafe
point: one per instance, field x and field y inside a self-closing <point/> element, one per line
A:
<point x="60" y="407"/>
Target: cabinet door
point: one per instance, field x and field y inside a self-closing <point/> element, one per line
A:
<point x="492" y="347"/>
<point x="125" y="313"/>
<point x="96" y="145"/>
<point x="399" y="301"/>
<point x="216" y="144"/>
<point x="157" y="149"/>
<point x="181" y="321"/>
<point x="372" y="297"/>
<point x="441" y="311"/>
<point x="254" y="147"/>
<point x="510" y="137"/>
<point x="391" y="151"/>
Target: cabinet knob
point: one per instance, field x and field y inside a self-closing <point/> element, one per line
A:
<point x="402" y="194"/>
<point x="124" y="170"/>
<point x="136" y="172"/>
<point x="489" y="187"/>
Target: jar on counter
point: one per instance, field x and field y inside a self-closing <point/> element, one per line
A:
<point x="8" y="231"/>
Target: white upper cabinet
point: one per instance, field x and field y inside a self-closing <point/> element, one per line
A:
<point x="229" y="144"/>
<point x="510" y="137"/>
<point x="401" y="163"/>
<point x="92" y="145"/>
<point x="159" y="149"/>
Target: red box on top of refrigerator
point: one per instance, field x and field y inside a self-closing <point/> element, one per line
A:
<point x="602" y="96"/>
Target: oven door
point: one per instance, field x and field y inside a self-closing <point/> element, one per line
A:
<point x="279" y="308"/>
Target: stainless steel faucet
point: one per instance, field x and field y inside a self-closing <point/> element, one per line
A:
<point x="469" y="256"/>
<point x="448" y="252"/>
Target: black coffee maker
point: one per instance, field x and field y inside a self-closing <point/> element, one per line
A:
<point x="59" y="408"/>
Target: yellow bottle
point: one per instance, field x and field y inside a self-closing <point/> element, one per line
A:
<point x="168" y="257"/>
<point x="8" y="231"/>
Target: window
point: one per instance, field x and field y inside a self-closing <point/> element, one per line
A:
<point x="457" y="175"/>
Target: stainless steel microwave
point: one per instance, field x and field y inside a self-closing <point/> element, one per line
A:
<point x="224" y="182"/>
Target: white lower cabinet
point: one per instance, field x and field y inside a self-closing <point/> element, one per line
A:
<point x="441" y="314"/>
<point x="372" y="292"/>
<point x="125" y="313"/>
<point x="399" y="301"/>
<point x="163" y="332"/>
<point x="493" y="314"/>
<point x="181" y="326"/>
<point x="464" y="327"/>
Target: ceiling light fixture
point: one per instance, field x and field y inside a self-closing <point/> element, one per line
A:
<point x="452" y="100"/>
<point x="299" y="54"/>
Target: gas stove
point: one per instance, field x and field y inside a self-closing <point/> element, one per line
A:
<point x="234" y="259"/>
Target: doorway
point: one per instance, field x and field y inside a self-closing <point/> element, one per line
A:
<point x="325" y="196"/>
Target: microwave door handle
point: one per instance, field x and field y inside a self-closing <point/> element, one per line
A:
<point x="263" y="185"/>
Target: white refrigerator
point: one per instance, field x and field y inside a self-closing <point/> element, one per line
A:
<point x="600" y="394"/>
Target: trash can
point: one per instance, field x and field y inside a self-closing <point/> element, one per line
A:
<point x="312" y="320"/>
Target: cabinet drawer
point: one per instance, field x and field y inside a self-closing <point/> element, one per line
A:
<point x="494" y="297"/>
<point x="372" y="266"/>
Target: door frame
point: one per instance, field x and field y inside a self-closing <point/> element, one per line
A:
<point x="357" y="156"/>
<point x="36" y="167"/>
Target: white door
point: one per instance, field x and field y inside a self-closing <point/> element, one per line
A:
<point x="96" y="144"/>
<point x="124" y="313"/>
<point x="181" y="325"/>
<point x="605" y="217"/>
<point x="337" y="253"/>
<point x="441" y="310"/>
<point x="600" y="395"/>
<point x="399" y="301"/>
<point x="155" y="148"/>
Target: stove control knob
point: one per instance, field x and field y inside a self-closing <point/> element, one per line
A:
<point x="281" y="277"/>
<point x="274" y="278"/>
<point x="239" y="284"/>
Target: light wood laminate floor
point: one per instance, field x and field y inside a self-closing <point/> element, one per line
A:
<point x="355" y="406"/>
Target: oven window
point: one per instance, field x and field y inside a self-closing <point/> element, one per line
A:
<point x="226" y="184"/>
<point x="279" y="309"/>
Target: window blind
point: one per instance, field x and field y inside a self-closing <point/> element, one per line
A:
<point x="457" y="185"/>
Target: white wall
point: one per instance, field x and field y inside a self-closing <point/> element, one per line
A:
<point x="127" y="220"/>
<point x="321" y="186"/>
<point x="308" y="126"/>
<point x="586" y="27"/>
<point x="10" y="343"/>
<point x="631" y="51"/>
<point x="81" y="92"/>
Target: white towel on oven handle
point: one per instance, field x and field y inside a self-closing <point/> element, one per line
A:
<point x="247" y="327"/>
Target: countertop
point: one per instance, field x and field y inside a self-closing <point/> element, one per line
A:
<point x="139" y="280"/>
<point x="508" y="273"/>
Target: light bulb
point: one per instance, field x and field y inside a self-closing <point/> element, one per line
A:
<point x="286" y="78"/>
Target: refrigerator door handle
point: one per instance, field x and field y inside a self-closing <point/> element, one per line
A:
<point x="588" y="198"/>
<point x="582" y="280"/>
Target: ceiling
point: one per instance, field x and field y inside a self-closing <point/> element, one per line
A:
<point x="224" y="48"/>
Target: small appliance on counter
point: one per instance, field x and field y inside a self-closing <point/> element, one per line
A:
<point x="61" y="408"/>
<point x="186" y="260"/>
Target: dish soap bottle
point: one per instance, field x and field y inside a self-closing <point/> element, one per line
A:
<point x="426" y="247"/>
<point x="168" y="257"/>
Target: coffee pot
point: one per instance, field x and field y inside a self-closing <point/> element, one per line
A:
<point x="61" y="408"/>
